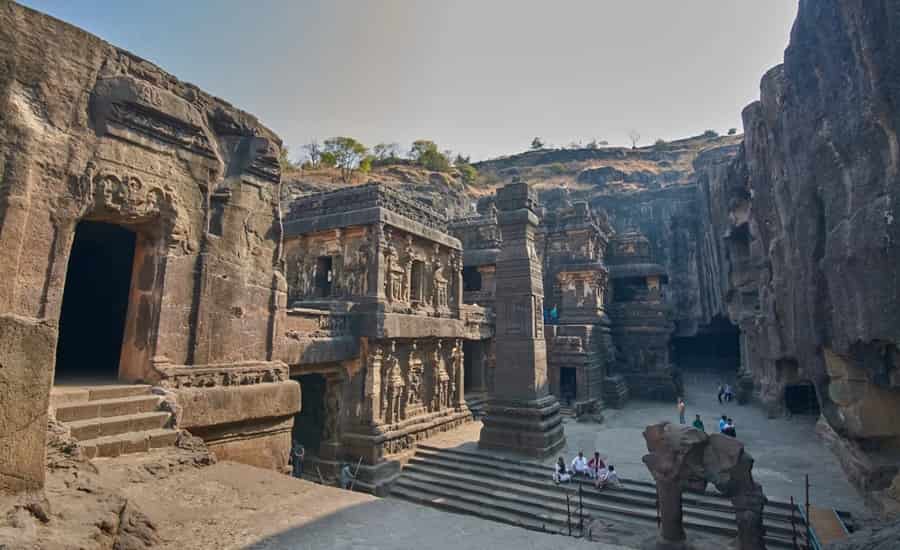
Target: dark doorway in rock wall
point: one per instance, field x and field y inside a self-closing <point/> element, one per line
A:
<point x="95" y="303"/>
<point x="471" y="278"/>
<point x="468" y="365"/>
<point x="324" y="276"/>
<point x="310" y="421"/>
<point x="716" y="348"/>
<point x="568" y="384"/>
<point x="801" y="399"/>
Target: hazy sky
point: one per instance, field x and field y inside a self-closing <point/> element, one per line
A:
<point x="482" y="77"/>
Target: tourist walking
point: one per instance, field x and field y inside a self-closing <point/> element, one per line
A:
<point x="720" y="393"/>
<point x="298" y="453"/>
<point x="347" y="476"/>
<point x="729" y="393"/>
<point x="699" y="424"/>
<point x="722" y="423"/>
<point x="681" y="407"/>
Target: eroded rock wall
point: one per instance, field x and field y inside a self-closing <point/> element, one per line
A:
<point x="809" y="252"/>
<point x="92" y="132"/>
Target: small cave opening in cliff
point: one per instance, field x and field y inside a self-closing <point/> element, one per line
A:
<point x="95" y="303"/>
<point x="310" y="421"/>
<point x="801" y="399"/>
<point x="715" y="349"/>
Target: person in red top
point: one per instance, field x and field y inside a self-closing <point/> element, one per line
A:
<point x="595" y="465"/>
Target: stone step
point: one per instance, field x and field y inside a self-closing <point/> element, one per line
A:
<point x="116" y="391"/>
<point x="594" y="500"/>
<point x="543" y="506"/>
<point x="114" y="425"/>
<point x="634" y="496"/>
<point x="67" y="395"/>
<point x="126" y="443"/>
<point x="516" y="512"/>
<point x="774" y="507"/>
<point x="103" y="408"/>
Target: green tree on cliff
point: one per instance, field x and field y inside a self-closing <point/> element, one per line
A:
<point x="537" y="143"/>
<point x="348" y="153"/>
<point x="425" y="153"/>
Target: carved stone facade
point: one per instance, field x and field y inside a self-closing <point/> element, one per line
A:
<point x="641" y="324"/>
<point x="374" y="290"/>
<point x="522" y="415"/>
<point x="195" y="182"/>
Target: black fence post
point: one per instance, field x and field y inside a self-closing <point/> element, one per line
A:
<point x="568" y="515"/>
<point x="580" y="511"/>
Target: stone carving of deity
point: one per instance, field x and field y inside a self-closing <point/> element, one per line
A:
<point x="414" y="376"/>
<point x="441" y="389"/>
<point x="440" y="286"/>
<point x="456" y="359"/>
<point x="395" y="275"/>
<point x="392" y="404"/>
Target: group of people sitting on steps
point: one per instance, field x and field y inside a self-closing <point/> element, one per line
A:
<point x="595" y="470"/>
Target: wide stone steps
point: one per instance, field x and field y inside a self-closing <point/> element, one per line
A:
<point x="522" y="493"/>
<point x="113" y="420"/>
<point x="634" y="492"/>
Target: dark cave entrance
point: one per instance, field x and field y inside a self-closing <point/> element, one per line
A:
<point x="801" y="399"/>
<point x="310" y="421"/>
<point x="95" y="302"/>
<point x="716" y="349"/>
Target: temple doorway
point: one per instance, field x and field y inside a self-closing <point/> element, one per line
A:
<point x="95" y="303"/>
<point x="310" y="421"/>
<point x="568" y="384"/>
<point x="715" y="349"/>
<point x="468" y="370"/>
<point x="801" y="399"/>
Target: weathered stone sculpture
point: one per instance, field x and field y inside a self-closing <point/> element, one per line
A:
<point x="675" y="461"/>
<point x="685" y="458"/>
<point x="728" y="466"/>
<point x="522" y="415"/>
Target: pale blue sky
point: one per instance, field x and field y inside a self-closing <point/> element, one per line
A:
<point x="481" y="77"/>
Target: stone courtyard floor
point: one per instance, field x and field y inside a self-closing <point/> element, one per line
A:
<point x="784" y="449"/>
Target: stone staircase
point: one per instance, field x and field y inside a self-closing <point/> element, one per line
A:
<point x="523" y="494"/>
<point x="113" y="420"/>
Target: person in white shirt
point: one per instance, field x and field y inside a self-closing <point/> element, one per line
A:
<point x="580" y="465"/>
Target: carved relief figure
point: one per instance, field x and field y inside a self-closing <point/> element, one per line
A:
<point x="392" y="404"/>
<point x="440" y="286"/>
<point x="456" y="385"/>
<point x="414" y="376"/>
<point x="395" y="273"/>
<point x="373" y="383"/>
<point x="332" y="412"/>
<point x="441" y="378"/>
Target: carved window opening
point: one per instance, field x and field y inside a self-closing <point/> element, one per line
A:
<point x="628" y="289"/>
<point x="417" y="282"/>
<point x="324" y="276"/>
<point x="95" y="302"/>
<point x="471" y="278"/>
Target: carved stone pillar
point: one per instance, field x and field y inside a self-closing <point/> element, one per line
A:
<point x="522" y="415"/>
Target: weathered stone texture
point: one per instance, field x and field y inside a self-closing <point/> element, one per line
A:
<point x="811" y="239"/>
<point x="91" y="132"/>
<point x="26" y="347"/>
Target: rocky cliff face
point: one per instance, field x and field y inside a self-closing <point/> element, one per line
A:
<point x="801" y="228"/>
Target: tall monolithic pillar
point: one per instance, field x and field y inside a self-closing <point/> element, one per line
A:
<point x="522" y="415"/>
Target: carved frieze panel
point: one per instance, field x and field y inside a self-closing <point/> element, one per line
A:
<point x="162" y="127"/>
<point x="198" y="377"/>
